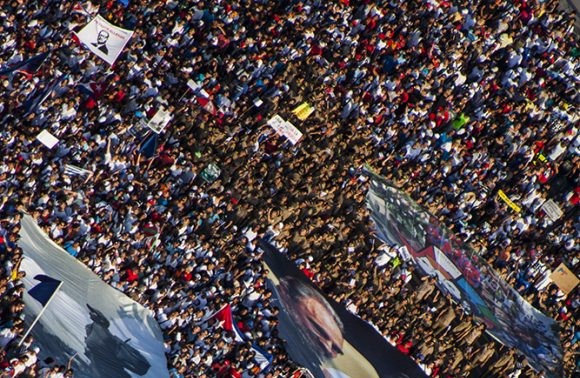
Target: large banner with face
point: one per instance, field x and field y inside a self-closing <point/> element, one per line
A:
<point x="104" y="39"/>
<point x="465" y="276"/>
<point x="107" y="333"/>
<point x="322" y="336"/>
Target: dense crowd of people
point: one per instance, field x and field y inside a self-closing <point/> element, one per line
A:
<point x="451" y="100"/>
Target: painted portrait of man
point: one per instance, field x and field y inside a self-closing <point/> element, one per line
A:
<point x="101" y="43"/>
<point x="321" y="331"/>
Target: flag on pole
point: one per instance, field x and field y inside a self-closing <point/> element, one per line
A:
<point x="27" y="67"/>
<point x="43" y="291"/>
<point x="40" y="95"/>
<point x="225" y="317"/>
<point x="149" y="146"/>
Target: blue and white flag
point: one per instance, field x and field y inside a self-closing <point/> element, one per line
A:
<point x="43" y="291"/>
<point x="40" y="94"/>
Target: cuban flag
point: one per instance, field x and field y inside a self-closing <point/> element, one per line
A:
<point x="27" y="67"/>
<point x="91" y="89"/>
<point x="226" y="319"/>
<point x="207" y="105"/>
<point x="73" y="170"/>
<point x="40" y="94"/>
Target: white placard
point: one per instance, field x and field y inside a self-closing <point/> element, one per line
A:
<point x="47" y="139"/>
<point x="285" y="128"/>
<point x="552" y="210"/>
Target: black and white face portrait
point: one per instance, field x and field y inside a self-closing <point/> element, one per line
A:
<point x="103" y="37"/>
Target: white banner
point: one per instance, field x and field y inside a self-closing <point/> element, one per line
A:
<point x="110" y="334"/>
<point x="462" y="273"/>
<point x="104" y="39"/>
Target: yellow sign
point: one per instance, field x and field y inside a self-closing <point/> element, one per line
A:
<point x="508" y="201"/>
<point x="303" y="111"/>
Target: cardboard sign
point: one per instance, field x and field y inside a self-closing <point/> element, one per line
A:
<point x="211" y="173"/>
<point x="303" y="111"/>
<point x="564" y="278"/>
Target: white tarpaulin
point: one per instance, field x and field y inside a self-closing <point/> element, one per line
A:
<point x="104" y="39"/>
<point x="111" y="335"/>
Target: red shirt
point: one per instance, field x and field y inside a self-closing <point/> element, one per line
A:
<point x="131" y="276"/>
<point x="186" y="276"/>
<point x="405" y="348"/>
<point x="119" y="96"/>
<point x="308" y="273"/>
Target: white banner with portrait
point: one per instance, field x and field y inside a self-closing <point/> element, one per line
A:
<point x="104" y="39"/>
<point x="107" y="333"/>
